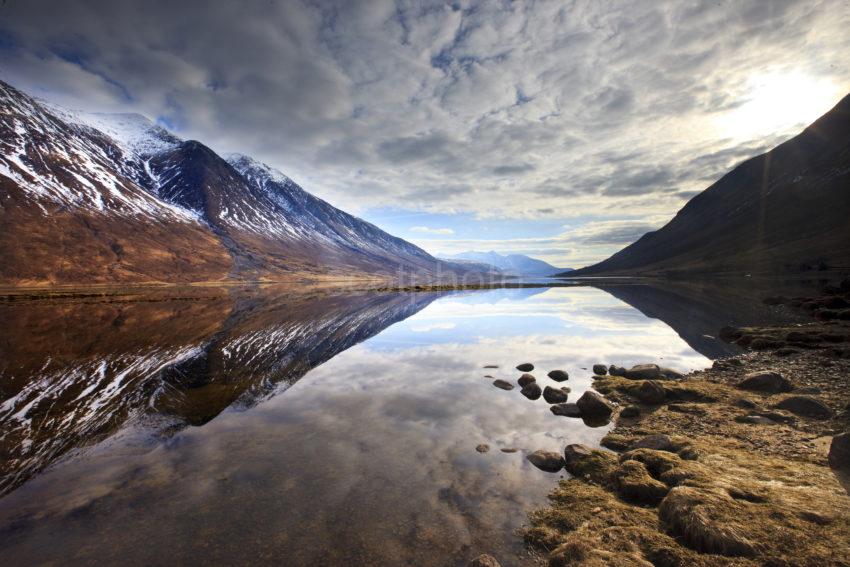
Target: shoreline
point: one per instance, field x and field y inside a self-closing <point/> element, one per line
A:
<point x="716" y="468"/>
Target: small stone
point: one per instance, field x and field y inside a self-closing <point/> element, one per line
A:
<point x="558" y="375"/>
<point x="644" y="372"/>
<point x="482" y="448"/>
<point x="503" y="384"/>
<point x="554" y="396"/>
<point x="745" y="403"/>
<point x="658" y="442"/>
<point x="525" y="367"/>
<point x="755" y="420"/>
<point x="806" y="406"/>
<point x="531" y="391"/>
<point x="491" y="366"/>
<point x="630" y="411"/>
<point x="765" y="381"/>
<point x="525" y="380"/>
<point x="489" y="376"/>
<point x="484" y="560"/>
<point x="616" y="370"/>
<point x="509" y="449"/>
<point x="565" y="410"/>
<point x="592" y="405"/>
<point x="548" y="461"/>
<point x="600" y="369"/>
<point x="650" y="392"/>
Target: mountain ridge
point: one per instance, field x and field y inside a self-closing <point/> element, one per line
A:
<point x="784" y="211"/>
<point x="129" y="202"/>
<point x="515" y="264"/>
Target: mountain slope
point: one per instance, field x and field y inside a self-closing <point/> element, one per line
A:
<point x="94" y="198"/>
<point x="783" y="211"/>
<point x="515" y="264"/>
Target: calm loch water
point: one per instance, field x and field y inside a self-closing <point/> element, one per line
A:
<point x="311" y="429"/>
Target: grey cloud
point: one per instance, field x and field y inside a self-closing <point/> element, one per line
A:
<point x="385" y="103"/>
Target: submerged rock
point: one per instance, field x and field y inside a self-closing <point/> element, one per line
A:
<point x="504" y="385"/>
<point x="509" y="449"/>
<point x="548" y="461"/>
<point x="554" y="396"/>
<point x="482" y="448"/>
<point x="531" y="391"/>
<point x="766" y="381"/>
<point x="594" y="406"/>
<point x="525" y="380"/>
<point x="525" y="367"/>
<point x="806" y="406"/>
<point x="600" y="369"/>
<point x="565" y="410"/>
<point x="558" y="375"/>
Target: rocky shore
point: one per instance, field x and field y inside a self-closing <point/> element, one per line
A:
<point x="744" y="463"/>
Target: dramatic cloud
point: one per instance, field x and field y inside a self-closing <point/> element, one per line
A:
<point x="578" y="110"/>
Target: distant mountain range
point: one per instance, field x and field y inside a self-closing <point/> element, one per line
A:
<point x="97" y="198"/>
<point x="510" y="264"/>
<point x="785" y="211"/>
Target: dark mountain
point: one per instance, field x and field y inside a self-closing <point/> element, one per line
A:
<point x="95" y="198"/>
<point x="511" y="264"/>
<point x="784" y="211"/>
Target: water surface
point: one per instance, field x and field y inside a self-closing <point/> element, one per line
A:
<point x="308" y="429"/>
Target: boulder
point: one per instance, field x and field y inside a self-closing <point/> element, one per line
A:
<point x="592" y="405"/>
<point x="576" y="452"/>
<point x="531" y="391"/>
<point x="558" y="375"/>
<point x="630" y="411"/>
<point x="554" y="396"/>
<point x="671" y="374"/>
<point x="806" y="406"/>
<point x="650" y="392"/>
<point x="548" y="461"/>
<point x="525" y="367"/>
<point x="644" y="372"/>
<point x="839" y="452"/>
<point x="616" y="370"/>
<point x="766" y="381"/>
<point x="706" y="521"/>
<point x="504" y="385"/>
<point x="656" y="442"/>
<point x="600" y="369"/>
<point x="484" y="560"/>
<point x="635" y="484"/>
<point x="565" y="410"/>
<point x="525" y="380"/>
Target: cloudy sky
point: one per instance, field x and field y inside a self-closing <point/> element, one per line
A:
<point x="563" y="130"/>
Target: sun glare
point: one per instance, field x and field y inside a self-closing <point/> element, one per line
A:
<point x="774" y="103"/>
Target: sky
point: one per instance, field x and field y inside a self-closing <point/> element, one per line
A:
<point x="562" y="130"/>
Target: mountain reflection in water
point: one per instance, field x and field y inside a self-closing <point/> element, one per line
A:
<point x="251" y="427"/>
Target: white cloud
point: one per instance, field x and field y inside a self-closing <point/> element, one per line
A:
<point x="428" y="230"/>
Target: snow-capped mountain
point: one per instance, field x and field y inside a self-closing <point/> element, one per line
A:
<point x="513" y="264"/>
<point x="97" y="198"/>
